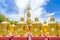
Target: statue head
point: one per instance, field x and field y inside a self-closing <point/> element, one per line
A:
<point x="22" y="19"/>
<point x="51" y="19"/>
<point x="44" y="22"/>
<point x="6" y="19"/>
<point x="36" y="19"/>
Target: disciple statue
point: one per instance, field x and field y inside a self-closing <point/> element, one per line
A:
<point x="36" y="28"/>
<point x="4" y="27"/>
<point x="12" y="29"/>
<point x="53" y="25"/>
<point x="22" y="28"/>
<point x="45" y="28"/>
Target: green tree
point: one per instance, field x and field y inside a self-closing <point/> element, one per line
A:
<point x="2" y="17"/>
<point x="13" y="21"/>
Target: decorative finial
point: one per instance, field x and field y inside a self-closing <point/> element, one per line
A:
<point x="29" y="7"/>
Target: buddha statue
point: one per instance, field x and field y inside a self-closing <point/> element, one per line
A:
<point x="45" y="28"/>
<point x="22" y="28"/>
<point x="12" y="29"/>
<point x="4" y="27"/>
<point x="36" y="28"/>
<point x="52" y="27"/>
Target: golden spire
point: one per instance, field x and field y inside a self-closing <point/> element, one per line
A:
<point x="29" y="15"/>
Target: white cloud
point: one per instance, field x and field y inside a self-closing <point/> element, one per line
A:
<point x="52" y="14"/>
<point x="14" y="16"/>
<point x="37" y="10"/>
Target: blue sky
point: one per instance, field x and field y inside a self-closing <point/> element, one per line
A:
<point x="54" y="6"/>
<point x="8" y="6"/>
<point x="14" y="9"/>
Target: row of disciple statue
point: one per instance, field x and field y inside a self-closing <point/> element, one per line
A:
<point x="35" y="28"/>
